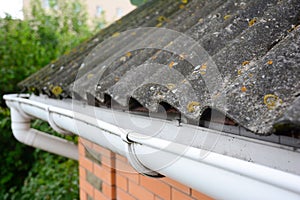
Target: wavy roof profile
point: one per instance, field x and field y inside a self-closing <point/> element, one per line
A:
<point x="239" y="57"/>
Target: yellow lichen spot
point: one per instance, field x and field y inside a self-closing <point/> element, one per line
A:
<point x="252" y="22"/>
<point x="245" y="63"/>
<point x="56" y="90"/>
<point x="171" y="86"/>
<point x="133" y="33"/>
<point x="227" y="17"/>
<point x="171" y="64"/>
<point x="191" y="107"/>
<point x="243" y="89"/>
<point x="271" y="101"/>
<point x="159" y="24"/>
<point x="201" y="20"/>
<point x="270" y="62"/>
<point x="250" y="75"/>
<point x="117" y="78"/>
<point x="90" y="76"/>
<point x="239" y="72"/>
<point x="161" y="18"/>
<point x="128" y="54"/>
<point x="184" y="1"/>
<point x="116" y="34"/>
<point x="203" y="68"/>
<point x="32" y="89"/>
<point x="181" y="6"/>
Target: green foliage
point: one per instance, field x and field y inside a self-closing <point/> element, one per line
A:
<point x="52" y="177"/>
<point x="28" y="45"/>
<point x="138" y="2"/>
<point x="25" y="47"/>
<point x="44" y="127"/>
<point x="16" y="159"/>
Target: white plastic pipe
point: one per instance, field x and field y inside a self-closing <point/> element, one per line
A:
<point x="216" y="175"/>
<point x="23" y="133"/>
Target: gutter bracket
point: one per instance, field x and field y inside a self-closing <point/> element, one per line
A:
<point x="21" y="111"/>
<point x="134" y="161"/>
<point x="53" y="124"/>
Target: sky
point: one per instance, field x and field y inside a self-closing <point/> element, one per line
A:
<point x="12" y="7"/>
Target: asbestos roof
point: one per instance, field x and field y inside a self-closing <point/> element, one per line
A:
<point x="241" y="58"/>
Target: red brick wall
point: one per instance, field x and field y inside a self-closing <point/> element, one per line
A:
<point x="106" y="175"/>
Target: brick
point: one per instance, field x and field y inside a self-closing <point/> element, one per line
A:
<point x="94" y="180"/>
<point x="178" y="195"/>
<point x="200" y="196"/>
<point x="124" y="166"/>
<point x="132" y="176"/>
<point x="103" y="151"/>
<point x="126" y="170"/>
<point x="121" y="195"/>
<point x="82" y="172"/>
<point x="85" y="142"/>
<point x="88" y="188"/>
<point x="99" y="196"/>
<point x="176" y="185"/>
<point x="107" y="168"/>
<point x="81" y="149"/>
<point x="121" y="158"/>
<point x="158" y="198"/>
<point x="139" y="192"/>
<point x="156" y="186"/>
<point x="121" y="182"/>
<point x="109" y="191"/>
<point x="83" y="194"/>
<point x="108" y="162"/>
<point x="89" y="197"/>
<point x="93" y="155"/>
<point x="105" y="174"/>
<point x="86" y="163"/>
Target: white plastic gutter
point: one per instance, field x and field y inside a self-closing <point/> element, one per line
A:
<point x="217" y="175"/>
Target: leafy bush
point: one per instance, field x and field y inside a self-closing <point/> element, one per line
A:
<point x="52" y="177"/>
<point x="16" y="158"/>
<point x="26" y="46"/>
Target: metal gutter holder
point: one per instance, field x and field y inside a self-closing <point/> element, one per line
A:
<point x="132" y="157"/>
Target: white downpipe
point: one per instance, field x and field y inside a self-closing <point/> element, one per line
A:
<point x="216" y="175"/>
<point x="20" y="122"/>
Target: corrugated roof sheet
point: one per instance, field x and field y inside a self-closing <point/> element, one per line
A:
<point x="238" y="57"/>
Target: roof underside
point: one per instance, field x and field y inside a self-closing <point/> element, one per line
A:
<point x="238" y="57"/>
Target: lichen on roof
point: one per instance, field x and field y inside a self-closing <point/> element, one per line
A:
<point x="246" y="64"/>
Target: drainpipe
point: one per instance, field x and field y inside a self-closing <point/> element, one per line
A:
<point x="20" y="123"/>
<point x="216" y="175"/>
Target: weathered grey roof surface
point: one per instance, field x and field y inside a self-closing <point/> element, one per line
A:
<point x="239" y="57"/>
